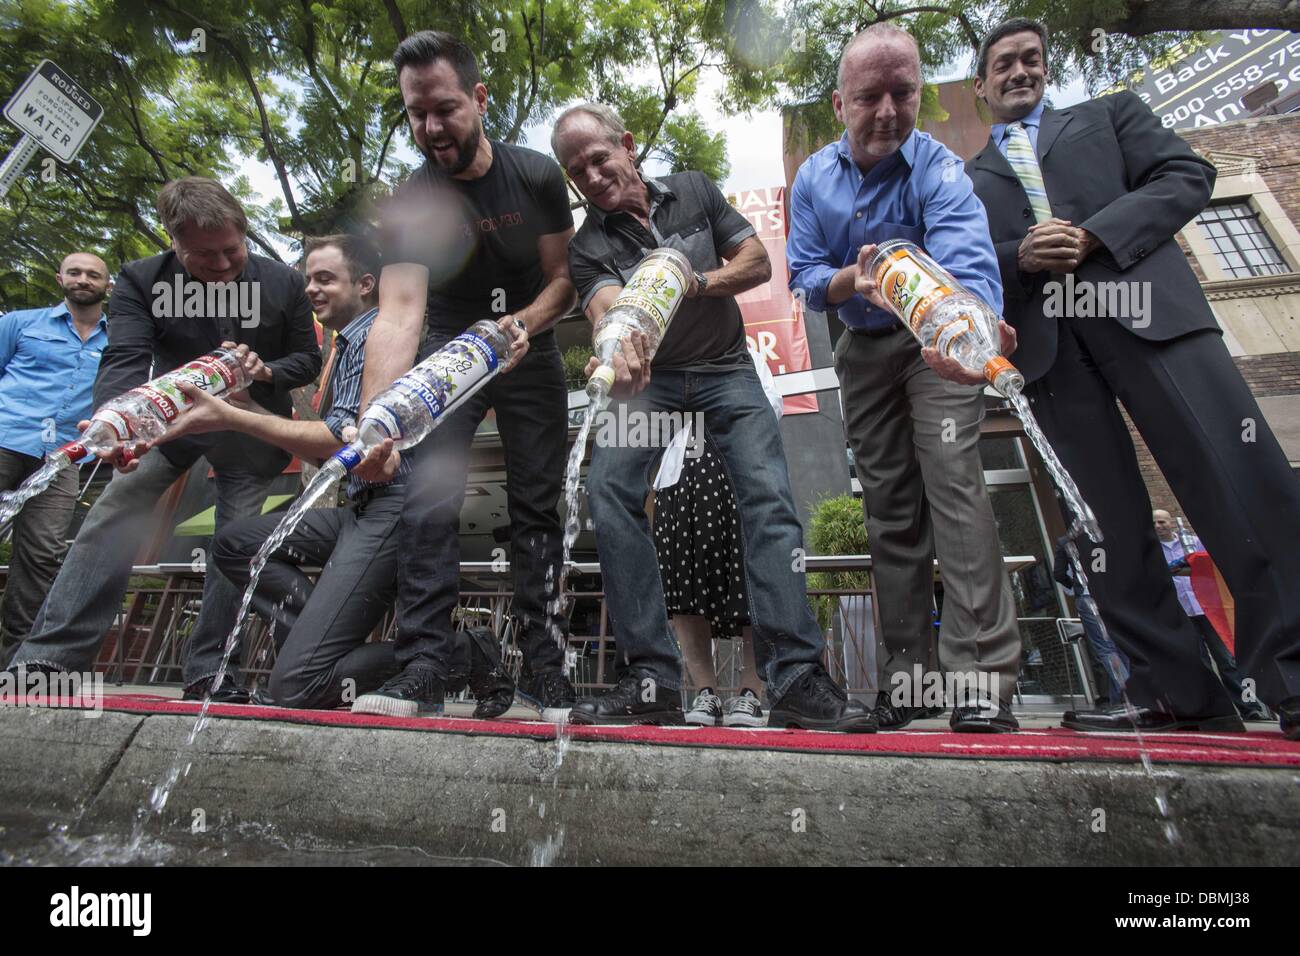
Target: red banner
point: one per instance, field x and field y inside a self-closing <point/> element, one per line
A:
<point x="1214" y="597"/>
<point x="773" y="319"/>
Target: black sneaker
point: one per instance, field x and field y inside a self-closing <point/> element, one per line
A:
<point x="816" y="702"/>
<point x="625" y="704"/>
<point x="493" y="690"/>
<point x="228" y="693"/>
<point x="550" y="692"/>
<point x="706" y="711"/>
<point x="889" y="717"/>
<point x="416" y="690"/>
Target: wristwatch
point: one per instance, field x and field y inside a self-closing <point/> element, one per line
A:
<point x="701" y="283"/>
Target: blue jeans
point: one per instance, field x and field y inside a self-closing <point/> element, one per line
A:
<point x="739" y="422"/>
<point x="87" y="594"/>
<point x="1113" y="663"/>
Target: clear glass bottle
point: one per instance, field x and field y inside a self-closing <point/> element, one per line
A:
<point x="647" y="304"/>
<point x="143" y="413"/>
<point x="418" y="402"/>
<point x="941" y="313"/>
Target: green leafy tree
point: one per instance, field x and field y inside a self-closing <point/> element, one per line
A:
<point x="195" y="86"/>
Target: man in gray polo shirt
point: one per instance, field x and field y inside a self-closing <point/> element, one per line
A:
<point x="700" y="367"/>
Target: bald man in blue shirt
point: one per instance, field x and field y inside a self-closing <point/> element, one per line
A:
<point x="48" y="361"/>
<point x="912" y="418"/>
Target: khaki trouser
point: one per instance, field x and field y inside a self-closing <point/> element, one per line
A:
<point x="915" y="442"/>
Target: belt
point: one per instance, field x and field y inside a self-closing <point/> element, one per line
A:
<point x="879" y="333"/>
<point x="367" y="495"/>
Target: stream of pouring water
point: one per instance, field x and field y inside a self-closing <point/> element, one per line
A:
<point x="559" y="606"/>
<point x="326" y="479"/>
<point x="11" y="502"/>
<point x="1086" y="523"/>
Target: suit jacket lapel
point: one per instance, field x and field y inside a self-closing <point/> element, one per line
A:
<point x="1049" y="127"/>
<point x="992" y="161"/>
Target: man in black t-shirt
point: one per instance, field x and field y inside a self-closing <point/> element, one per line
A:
<point x="700" y="367"/>
<point x="479" y="231"/>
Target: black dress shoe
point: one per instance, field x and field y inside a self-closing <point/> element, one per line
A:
<point x="978" y="719"/>
<point x="889" y="717"/>
<point x="1117" y="719"/>
<point x="1288" y="713"/>
<point x="625" y="703"/>
<point x="815" y="702"/>
<point x="228" y="693"/>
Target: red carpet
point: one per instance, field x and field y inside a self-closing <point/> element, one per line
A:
<point x="1255" y="749"/>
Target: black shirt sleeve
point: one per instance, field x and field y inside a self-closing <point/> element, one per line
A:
<point x="128" y="359"/>
<point x="552" y="197"/>
<point x="589" y="274"/>
<point x="301" y="361"/>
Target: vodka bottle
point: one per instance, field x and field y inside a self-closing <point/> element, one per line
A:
<point x="420" y="400"/>
<point x="647" y="304"/>
<point x="941" y="313"/>
<point x="143" y="413"/>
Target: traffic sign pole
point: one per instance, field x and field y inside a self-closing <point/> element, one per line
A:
<point x="17" y="160"/>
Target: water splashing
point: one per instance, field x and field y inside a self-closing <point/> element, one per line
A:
<point x="325" y="481"/>
<point x="1085" y="523"/>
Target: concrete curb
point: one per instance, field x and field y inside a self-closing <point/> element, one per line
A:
<point x="525" y="801"/>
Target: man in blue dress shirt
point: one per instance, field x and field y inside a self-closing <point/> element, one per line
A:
<point x="48" y="361"/>
<point x="912" y="418"/>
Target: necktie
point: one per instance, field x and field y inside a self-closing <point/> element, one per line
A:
<point x="1020" y="154"/>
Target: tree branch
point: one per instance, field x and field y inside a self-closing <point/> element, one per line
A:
<point x="395" y="19"/>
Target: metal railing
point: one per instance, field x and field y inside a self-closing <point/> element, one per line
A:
<point x="146" y="642"/>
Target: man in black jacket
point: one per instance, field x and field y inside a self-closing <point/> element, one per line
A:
<point x="165" y="311"/>
<point x="1084" y="204"/>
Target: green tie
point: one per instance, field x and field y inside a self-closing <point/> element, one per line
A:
<point x="1020" y="154"/>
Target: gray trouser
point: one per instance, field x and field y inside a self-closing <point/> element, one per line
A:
<point x="87" y="594"/>
<point x="39" y="544"/>
<point x="915" y="442"/>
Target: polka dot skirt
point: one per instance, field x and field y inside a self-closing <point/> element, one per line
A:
<point x="701" y="552"/>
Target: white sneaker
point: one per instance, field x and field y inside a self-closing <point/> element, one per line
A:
<point x="744" y="711"/>
<point x="707" y="709"/>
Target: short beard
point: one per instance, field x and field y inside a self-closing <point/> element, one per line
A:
<point x="465" y="153"/>
<point x="86" y="298"/>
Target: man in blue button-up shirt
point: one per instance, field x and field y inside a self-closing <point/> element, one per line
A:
<point x="912" y="419"/>
<point x="48" y="361"/>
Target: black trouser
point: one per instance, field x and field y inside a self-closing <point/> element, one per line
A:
<point x="322" y="658"/>
<point x="531" y="413"/>
<point x="1211" y="442"/>
<point x="1212" y="646"/>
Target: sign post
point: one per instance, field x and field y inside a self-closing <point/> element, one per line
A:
<point x="54" y="114"/>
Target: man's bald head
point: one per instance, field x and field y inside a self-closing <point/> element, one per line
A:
<point x="83" y="276"/>
<point x="879" y="39"/>
<point x="879" y="92"/>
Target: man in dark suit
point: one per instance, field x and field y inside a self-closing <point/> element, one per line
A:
<point x="165" y="311"/>
<point x="1084" y="204"/>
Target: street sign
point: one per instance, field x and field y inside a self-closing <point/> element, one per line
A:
<point x="54" y="110"/>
